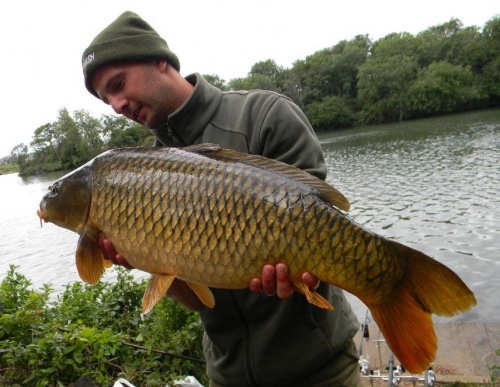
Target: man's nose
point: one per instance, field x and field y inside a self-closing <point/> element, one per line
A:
<point x="119" y="104"/>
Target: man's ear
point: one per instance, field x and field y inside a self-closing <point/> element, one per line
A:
<point x="162" y="64"/>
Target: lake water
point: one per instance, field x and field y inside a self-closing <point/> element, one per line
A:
<point x="431" y="184"/>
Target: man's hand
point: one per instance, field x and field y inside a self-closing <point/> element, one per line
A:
<point x="275" y="281"/>
<point x="111" y="254"/>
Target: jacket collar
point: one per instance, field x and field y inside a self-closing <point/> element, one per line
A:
<point x="189" y="121"/>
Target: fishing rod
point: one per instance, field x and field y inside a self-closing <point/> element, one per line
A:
<point x="183" y="357"/>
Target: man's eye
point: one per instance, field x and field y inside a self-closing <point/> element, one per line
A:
<point x="117" y="86"/>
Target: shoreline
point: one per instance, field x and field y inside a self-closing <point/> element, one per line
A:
<point x="466" y="353"/>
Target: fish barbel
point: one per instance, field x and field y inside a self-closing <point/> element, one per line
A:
<point x="213" y="217"/>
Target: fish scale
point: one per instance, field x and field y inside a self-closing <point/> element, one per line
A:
<point x="213" y="217"/>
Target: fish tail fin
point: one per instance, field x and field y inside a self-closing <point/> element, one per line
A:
<point x="406" y="319"/>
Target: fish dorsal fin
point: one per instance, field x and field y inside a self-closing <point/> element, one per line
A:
<point x="89" y="258"/>
<point x="323" y="190"/>
<point x="203" y="293"/>
<point x="158" y="286"/>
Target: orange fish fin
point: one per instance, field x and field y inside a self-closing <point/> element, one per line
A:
<point x="89" y="258"/>
<point x="436" y="287"/>
<point x="323" y="189"/>
<point x="405" y="318"/>
<point x="408" y="330"/>
<point x="158" y="286"/>
<point x="312" y="296"/>
<point x="107" y="263"/>
<point x="203" y="293"/>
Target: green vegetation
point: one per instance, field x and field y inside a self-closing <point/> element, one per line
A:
<point x="73" y="140"/>
<point x="445" y="69"/>
<point x="8" y="168"/>
<point x="97" y="331"/>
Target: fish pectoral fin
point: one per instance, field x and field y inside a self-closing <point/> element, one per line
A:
<point x="107" y="263"/>
<point x="89" y="258"/>
<point x="158" y="286"/>
<point x="204" y="294"/>
<point x="312" y="296"/>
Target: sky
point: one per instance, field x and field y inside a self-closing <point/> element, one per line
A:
<point x="42" y="42"/>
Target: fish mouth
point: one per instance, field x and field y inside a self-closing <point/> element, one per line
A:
<point x="43" y="216"/>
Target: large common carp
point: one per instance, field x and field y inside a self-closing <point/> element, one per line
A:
<point x="213" y="217"/>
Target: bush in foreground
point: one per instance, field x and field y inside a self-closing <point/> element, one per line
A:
<point x="97" y="331"/>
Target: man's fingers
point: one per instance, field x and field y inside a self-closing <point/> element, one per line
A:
<point x="275" y="280"/>
<point x="269" y="280"/>
<point x="111" y="254"/>
<point x="255" y="285"/>
<point x="310" y="280"/>
<point x="283" y="285"/>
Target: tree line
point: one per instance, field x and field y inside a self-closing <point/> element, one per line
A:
<point x="445" y="69"/>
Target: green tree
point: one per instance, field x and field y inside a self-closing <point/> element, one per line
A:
<point x="434" y="44"/>
<point x="490" y="74"/>
<point x="216" y="81"/>
<point x="69" y="143"/>
<point x="264" y="75"/>
<point x="44" y="157"/>
<point x="20" y="154"/>
<point x="91" y="131"/>
<point x="330" y="113"/>
<point x="382" y="86"/>
<point x="442" y="88"/>
<point x="121" y="132"/>
<point x="332" y="71"/>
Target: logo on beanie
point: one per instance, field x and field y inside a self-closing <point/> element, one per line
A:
<point x="90" y="57"/>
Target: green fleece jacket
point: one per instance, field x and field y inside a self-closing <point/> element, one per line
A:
<point x="253" y="339"/>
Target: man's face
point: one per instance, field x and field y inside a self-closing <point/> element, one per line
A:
<point x="133" y="90"/>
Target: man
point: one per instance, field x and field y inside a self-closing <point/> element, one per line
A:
<point x="250" y="339"/>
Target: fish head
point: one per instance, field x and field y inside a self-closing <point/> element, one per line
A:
<point x="68" y="201"/>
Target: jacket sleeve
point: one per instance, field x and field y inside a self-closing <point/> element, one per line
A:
<point x="287" y="135"/>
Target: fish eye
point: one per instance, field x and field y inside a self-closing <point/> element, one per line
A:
<point x="54" y="189"/>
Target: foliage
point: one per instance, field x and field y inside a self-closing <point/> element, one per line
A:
<point x="216" y="81"/>
<point x="265" y="75"/>
<point x="442" y="88"/>
<point x="91" y="330"/>
<point x="446" y="68"/>
<point x="8" y="168"/>
<point x="71" y="141"/>
<point x="330" y="113"/>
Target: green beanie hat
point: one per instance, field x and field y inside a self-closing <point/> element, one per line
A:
<point x="127" y="39"/>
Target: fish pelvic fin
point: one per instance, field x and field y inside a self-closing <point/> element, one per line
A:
<point x="158" y="286"/>
<point x="204" y="294"/>
<point x="405" y="319"/>
<point x="312" y="296"/>
<point x="90" y="261"/>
